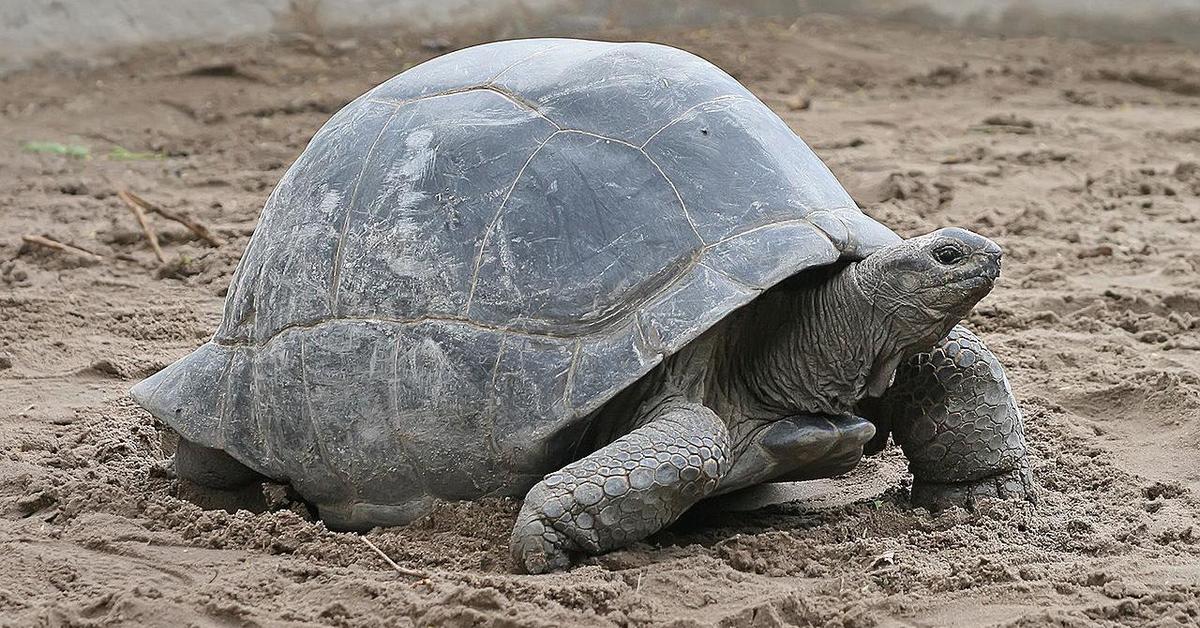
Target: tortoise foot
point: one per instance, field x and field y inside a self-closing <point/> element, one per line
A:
<point x="1012" y="485"/>
<point x="537" y="547"/>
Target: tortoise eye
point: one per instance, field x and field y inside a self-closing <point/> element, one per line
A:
<point x="948" y="254"/>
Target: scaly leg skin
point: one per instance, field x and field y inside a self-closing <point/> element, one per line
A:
<point x="626" y="491"/>
<point x="212" y="468"/>
<point x="954" y="415"/>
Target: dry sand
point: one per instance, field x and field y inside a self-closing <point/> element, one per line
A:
<point x="1080" y="159"/>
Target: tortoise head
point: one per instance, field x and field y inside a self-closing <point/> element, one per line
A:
<point x="926" y="285"/>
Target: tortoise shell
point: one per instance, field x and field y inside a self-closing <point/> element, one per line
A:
<point x="472" y="257"/>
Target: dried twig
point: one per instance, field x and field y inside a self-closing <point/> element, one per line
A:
<point x="411" y="573"/>
<point x="51" y="243"/>
<point x="146" y="228"/>
<point x="200" y="230"/>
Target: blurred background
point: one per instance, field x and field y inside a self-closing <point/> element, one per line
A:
<point x="91" y="30"/>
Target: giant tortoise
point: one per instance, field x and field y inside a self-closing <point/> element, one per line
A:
<point x="603" y="276"/>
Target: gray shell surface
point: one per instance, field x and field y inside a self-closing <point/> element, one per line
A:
<point x="470" y="258"/>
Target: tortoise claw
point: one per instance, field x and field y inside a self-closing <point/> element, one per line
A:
<point x="536" y="546"/>
<point x="1011" y="485"/>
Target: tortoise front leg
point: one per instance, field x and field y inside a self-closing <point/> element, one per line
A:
<point x="954" y="415"/>
<point x="626" y="491"/>
<point x="796" y="448"/>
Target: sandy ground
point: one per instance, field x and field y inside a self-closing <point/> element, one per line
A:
<point x="1080" y="159"/>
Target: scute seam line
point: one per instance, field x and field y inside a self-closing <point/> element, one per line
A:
<point x="339" y="254"/>
<point x="487" y="233"/>
<point x="695" y="261"/>
<point x="691" y="109"/>
<point x="686" y="214"/>
<point x="503" y="93"/>
<point x="737" y="282"/>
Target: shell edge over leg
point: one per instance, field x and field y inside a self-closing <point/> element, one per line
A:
<point x="190" y="396"/>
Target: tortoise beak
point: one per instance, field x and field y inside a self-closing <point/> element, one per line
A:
<point x="992" y="257"/>
<point x="990" y="261"/>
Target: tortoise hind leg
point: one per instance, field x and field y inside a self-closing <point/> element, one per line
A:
<point x="362" y="516"/>
<point x="952" y="412"/>
<point x="212" y="468"/>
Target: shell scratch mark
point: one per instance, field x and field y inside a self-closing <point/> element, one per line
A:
<point x="312" y="422"/>
<point x="602" y="137"/>
<point x="339" y="253"/>
<point x="514" y="64"/>
<point x="646" y="351"/>
<point x="225" y="399"/>
<point x="569" y="388"/>
<point x="494" y="398"/>
<point x="400" y="441"/>
<point x="262" y="419"/>
<point x="496" y="367"/>
<point x="778" y="223"/>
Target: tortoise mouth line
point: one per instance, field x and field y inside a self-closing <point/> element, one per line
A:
<point x="975" y="286"/>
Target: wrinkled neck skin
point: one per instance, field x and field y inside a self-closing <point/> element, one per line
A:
<point x="811" y="348"/>
<point x="808" y="349"/>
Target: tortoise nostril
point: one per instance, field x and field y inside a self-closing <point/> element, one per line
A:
<point x="995" y="255"/>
